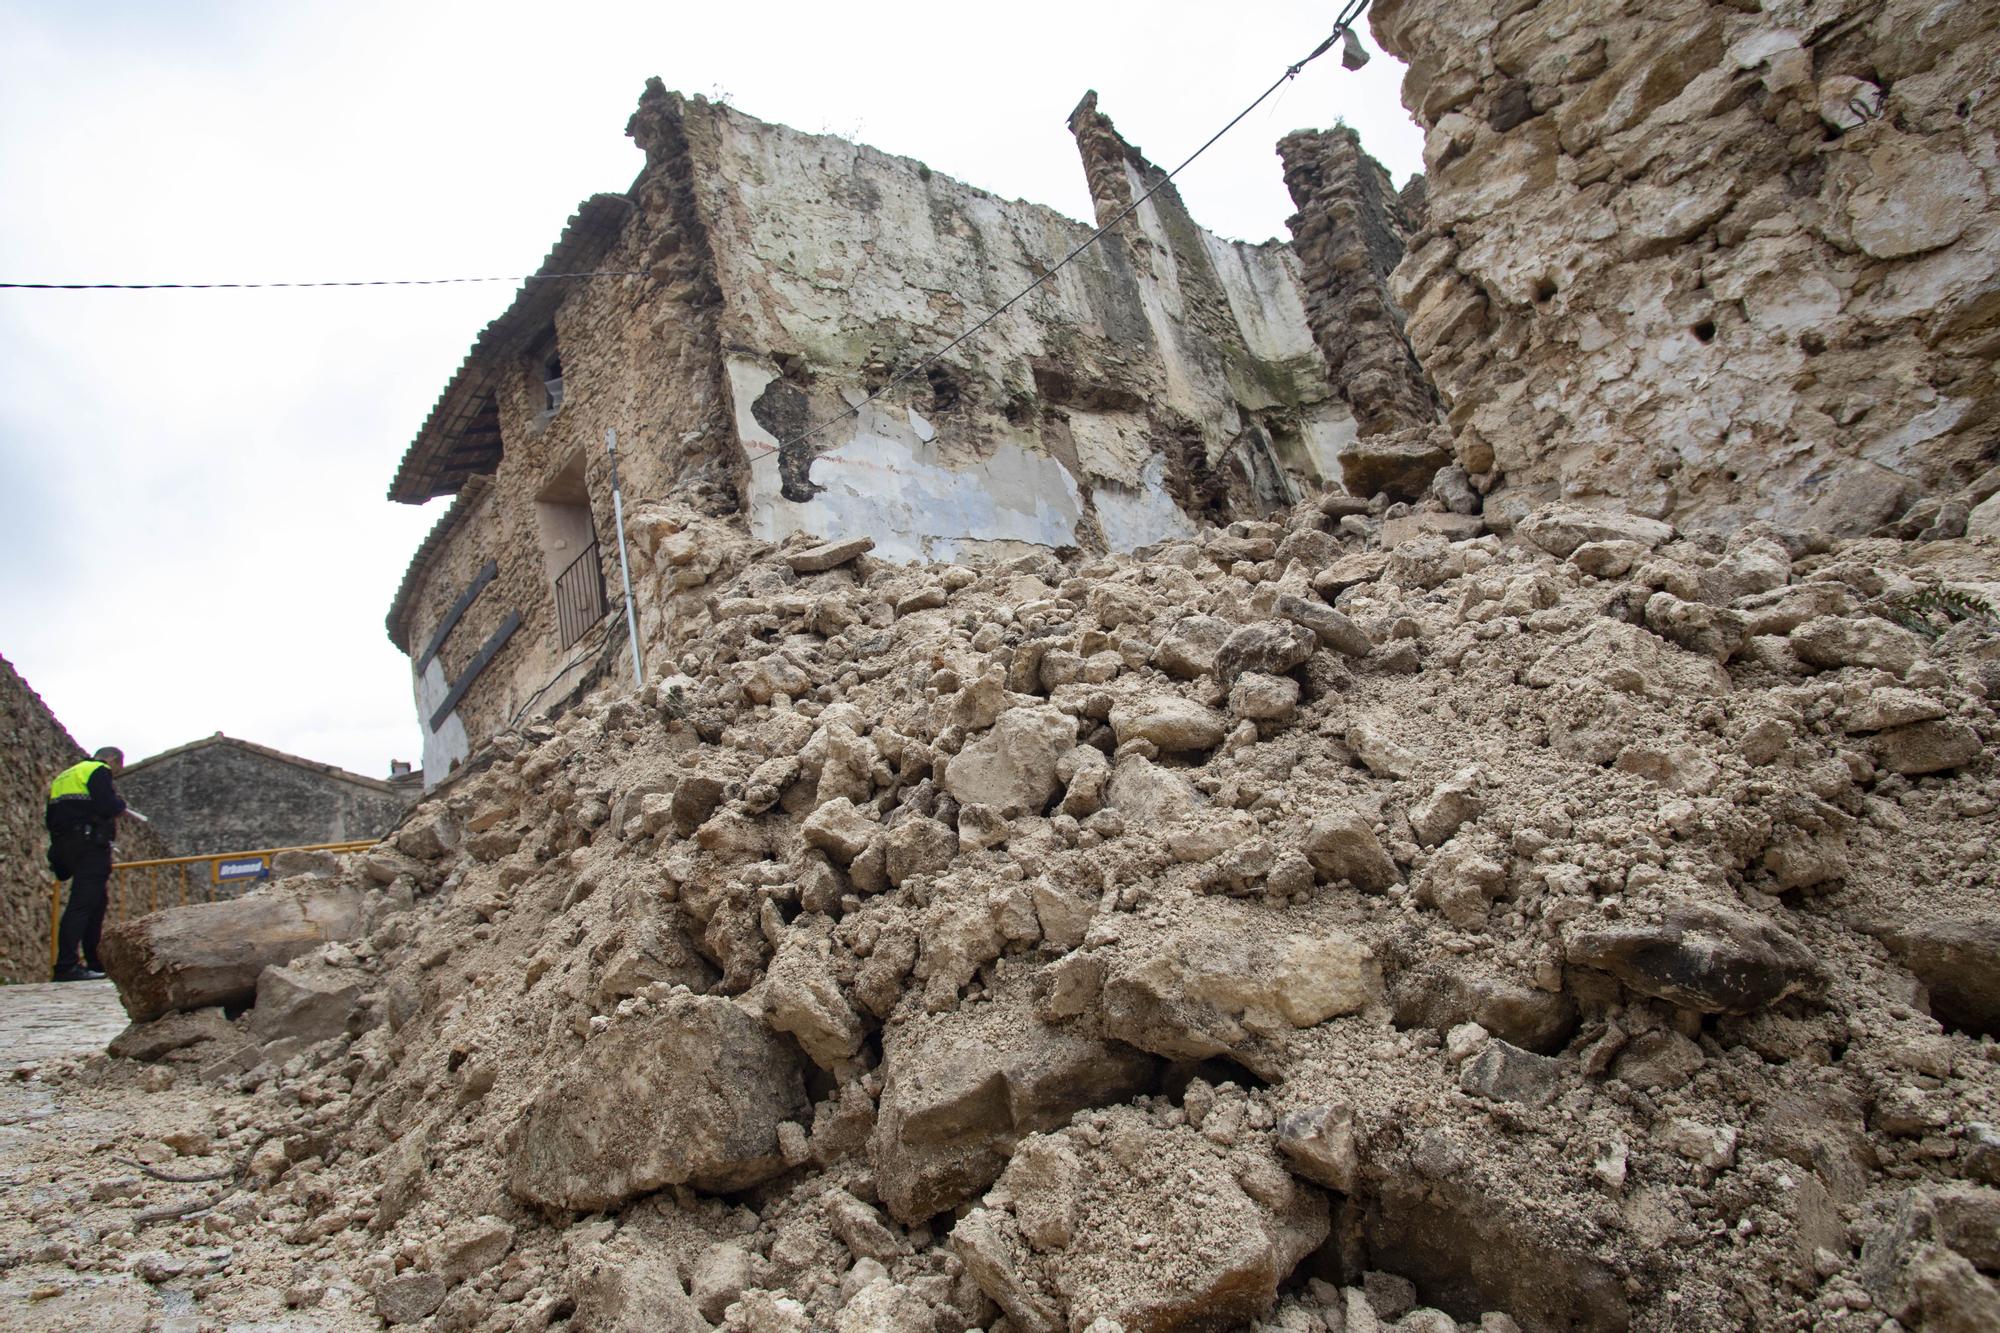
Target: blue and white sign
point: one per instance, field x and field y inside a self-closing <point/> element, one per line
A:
<point x="244" y="867"/>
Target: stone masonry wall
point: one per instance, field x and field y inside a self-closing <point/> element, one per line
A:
<point x="224" y="797"/>
<point x="639" y="356"/>
<point x="37" y="747"/>
<point x="1713" y="261"/>
<point x="1350" y="232"/>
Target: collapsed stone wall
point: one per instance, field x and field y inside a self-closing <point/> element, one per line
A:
<point x="37" y="747"/>
<point x="1165" y="378"/>
<point x="1711" y="260"/>
<point x="1311" y="925"/>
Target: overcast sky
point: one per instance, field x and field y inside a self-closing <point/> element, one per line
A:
<point x="193" y="534"/>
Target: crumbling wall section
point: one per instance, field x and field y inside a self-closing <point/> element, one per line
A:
<point x="1715" y="261"/>
<point x="1164" y="376"/>
<point x="1350" y="232"/>
<point x="37" y="747"/>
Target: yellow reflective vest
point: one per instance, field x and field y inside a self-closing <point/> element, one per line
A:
<point x="74" y="781"/>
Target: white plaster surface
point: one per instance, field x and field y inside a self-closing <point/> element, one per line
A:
<point x="448" y="744"/>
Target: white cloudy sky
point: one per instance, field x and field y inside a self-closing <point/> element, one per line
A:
<point x="193" y="534"/>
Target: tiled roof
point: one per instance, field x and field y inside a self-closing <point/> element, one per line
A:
<point x="461" y="437"/>
<point x="311" y="765"/>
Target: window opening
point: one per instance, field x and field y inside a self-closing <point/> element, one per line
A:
<point x="569" y="550"/>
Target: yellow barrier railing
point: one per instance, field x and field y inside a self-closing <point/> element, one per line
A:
<point x="126" y="898"/>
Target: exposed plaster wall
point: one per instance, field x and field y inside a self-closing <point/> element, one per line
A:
<point x="840" y="266"/>
<point x="1711" y="260"/>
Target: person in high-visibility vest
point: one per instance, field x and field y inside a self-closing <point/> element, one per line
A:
<point x="82" y="818"/>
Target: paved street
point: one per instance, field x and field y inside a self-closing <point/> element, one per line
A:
<point x="50" y="1020"/>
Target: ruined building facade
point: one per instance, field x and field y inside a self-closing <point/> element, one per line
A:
<point x="770" y="281"/>
<point x="1712" y="261"/>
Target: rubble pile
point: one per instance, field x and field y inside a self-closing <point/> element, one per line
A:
<point x="1321" y="924"/>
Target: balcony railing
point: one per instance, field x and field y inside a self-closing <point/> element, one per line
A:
<point x="579" y="596"/>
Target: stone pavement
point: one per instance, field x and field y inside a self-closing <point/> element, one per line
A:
<point x="52" y="1020"/>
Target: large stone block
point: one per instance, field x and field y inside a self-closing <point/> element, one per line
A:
<point x="692" y="1093"/>
<point x="213" y="953"/>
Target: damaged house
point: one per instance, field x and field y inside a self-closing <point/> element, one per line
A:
<point x="765" y="282"/>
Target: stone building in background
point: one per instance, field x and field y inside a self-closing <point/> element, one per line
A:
<point x="221" y="794"/>
<point x="1712" y="260"/>
<point x="769" y="281"/>
<point x="37" y="747"/>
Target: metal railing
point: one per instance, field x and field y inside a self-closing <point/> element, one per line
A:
<point x="140" y="887"/>
<point x="579" y="596"/>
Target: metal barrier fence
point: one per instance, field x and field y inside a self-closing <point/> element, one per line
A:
<point x="140" y="887"/>
<point x="580" y="596"/>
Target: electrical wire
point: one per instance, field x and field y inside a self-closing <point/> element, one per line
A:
<point x="1348" y="15"/>
<point x="252" y="286"/>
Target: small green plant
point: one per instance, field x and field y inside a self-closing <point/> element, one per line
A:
<point x="673" y="703"/>
<point x="1934" y="609"/>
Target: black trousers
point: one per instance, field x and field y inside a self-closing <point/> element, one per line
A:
<point x="89" y="864"/>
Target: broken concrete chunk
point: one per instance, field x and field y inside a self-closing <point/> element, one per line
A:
<point x="1270" y="646"/>
<point x="1452" y="804"/>
<point x="408" y="1297"/>
<point x="1658" y="1059"/>
<point x="1343" y="845"/>
<point x="1226" y="981"/>
<point x="1384" y="756"/>
<point x="1505" y="1073"/>
<point x="1332" y="629"/>
<point x="1711" y="631"/>
<point x="918" y="847"/>
<point x="163" y="1036"/>
<point x="633" y="1293"/>
<point x="1832" y="642"/>
<point x="1560" y="529"/>
<point x="1169" y="722"/>
<point x="1012" y="768"/>
<point x="306" y="999"/>
<point x="1319" y="1143"/>
<point x="1399" y="464"/>
<point x="1143" y="791"/>
<point x="828" y="555"/>
<point x="623" y="1118"/>
<point x="961" y="1089"/>
<point x="1220" y="1234"/>
<point x="1709" y="959"/>
<point x="1188" y="649"/>
<point x="1958" y="960"/>
<point x="720" y="1276"/>
<point x="840" y="830"/>
<point x="468" y="1249"/>
<point x="1460" y="883"/>
<point x="1263" y="698"/>
<point x="802" y="997"/>
<point x="1928" y="747"/>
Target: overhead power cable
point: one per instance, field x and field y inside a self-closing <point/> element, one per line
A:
<point x="251" y="286"/>
<point x="1341" y="28"/>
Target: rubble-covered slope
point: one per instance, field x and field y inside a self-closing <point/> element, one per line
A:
<point x="1317" y="925"/>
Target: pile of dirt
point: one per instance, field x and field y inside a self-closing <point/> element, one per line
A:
<point x="1322" y="924"/>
